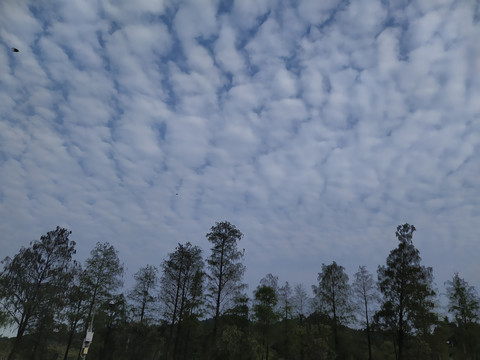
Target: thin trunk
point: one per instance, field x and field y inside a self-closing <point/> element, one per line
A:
<point x="18" y="338"/>
<point x="334" y="310"/>
<point x="90" y="310"/>
<point x="335" y="334"/>
<point x="41" y="336"/>
<point x="219" y="294"/>
<point x="368" y="328"/>
<point x="172" y="324"/>
<point x="263" y="344"/>
<point x="302" y="341"/>
<point x="142" y="311"/>
<point x="400" y="344"/>
<point x="395" y="345"/>
<point x="400" y="333"/>
<point x="179" y="325"/>
<point x="70" y="340"/>
<point x="73" y="327"/>
<point x="369" y="342"/>
<point x="287" y="340"/>
<point x="335" y="331"/>
<point x="187" y="338"/>
<point x="189" y="323"/>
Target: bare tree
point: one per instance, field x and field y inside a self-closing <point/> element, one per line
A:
<point x="301" y="302"/>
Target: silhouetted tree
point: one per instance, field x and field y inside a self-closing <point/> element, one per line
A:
<point x="464" y="305"/>
<point x="333" y="293"/>
<point x="76" y="300"/>
<point x="301" y="308"/>
<point x="365" y="295"/>
<point x="271" y="281"/>
<point x="266" y="300"/>
<point x="285" y="300"/>
<point x="37" y="275"/>
<point x="463" y="301"/>
<point x="103" y="276"/>
<point x="181" y="290"/>
<point x="143" y="294"/>
<point x="103" y="273"/>
<point x="286" y="309"/>
<point x="225" y="270"/>
<point x="407" y="290"/>
<point x="301" y="302"/>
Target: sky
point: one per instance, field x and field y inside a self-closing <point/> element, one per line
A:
<point x="315" y="127"/>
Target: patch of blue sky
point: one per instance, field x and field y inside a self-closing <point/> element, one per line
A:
<point x="244" y="36"/>
<point x="225" y="7"/>
<point x="161" y="129"/>
<point x="292" y="102"/>
<point x="46" y="12"/>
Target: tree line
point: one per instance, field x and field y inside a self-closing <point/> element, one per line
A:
<point x="191" y="307"/>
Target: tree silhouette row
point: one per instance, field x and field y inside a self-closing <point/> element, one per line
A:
<point x="191" y="307"/>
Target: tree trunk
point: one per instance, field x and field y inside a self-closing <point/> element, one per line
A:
<point x="335" y="333"/>
<point x="90" y="311"/>
<point x="368" y="332"/>
<point x="219" y="294"/>
<point x="16" y="342"/>
<point x="400" y="337"/>
<point x="174" y="315"/>
<point x="70" y="340"/>
<point x="302" y="340"/>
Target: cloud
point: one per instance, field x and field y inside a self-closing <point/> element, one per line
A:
<point x="315" y="127"/>
<point x="317" y="12"/>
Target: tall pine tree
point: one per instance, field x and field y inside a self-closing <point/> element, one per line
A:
<point x="407" y="291"/>
<point x="225" y="269"/>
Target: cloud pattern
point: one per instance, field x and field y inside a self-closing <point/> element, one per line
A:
<point x="315" y="127"/>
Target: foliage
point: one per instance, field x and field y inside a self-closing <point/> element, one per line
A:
<point x="276" y="324"/>
<point x="333" y="293"/>
<point x="235" y="344"/>
<point x="103" y="273"/>
<point x="407" y="291"/>
<point x="271" y="281"/>
<point x="76" y="305"/>
<point x="32" y="283"/>
<point x="301" y="302"/>
<point x="103" y="276"/>
<point x="181" y="291"/>
<point x="266" y="299"/>
<point x="143" y="293"/>
<point x="141" y="341"/>
<point x="464" y="305"/>
<point x="314" y="338"/>
<point x="463" y="301"/>
<point x="225" y="269"/>
<point x="238" y="314"/>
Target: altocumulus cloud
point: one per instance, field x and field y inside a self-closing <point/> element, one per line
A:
<point x="315" y="127"/>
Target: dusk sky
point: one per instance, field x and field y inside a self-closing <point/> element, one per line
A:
<point x="315" y="127"/>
